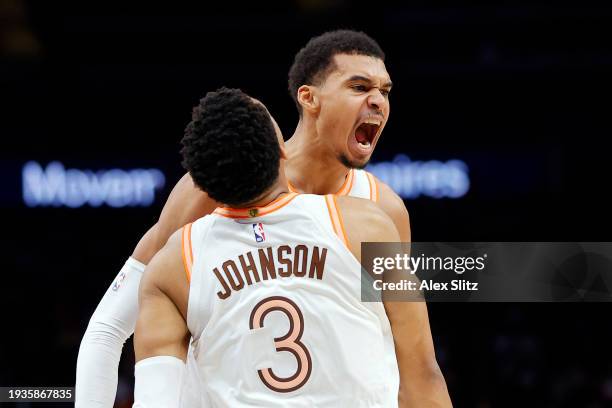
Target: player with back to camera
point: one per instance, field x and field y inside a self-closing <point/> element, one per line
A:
<point x="268" y="286"/>
<point x="340" y="85"/>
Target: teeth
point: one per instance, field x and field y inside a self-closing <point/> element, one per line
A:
<point x="373" y="122"/>
<point x="364" y="144"/>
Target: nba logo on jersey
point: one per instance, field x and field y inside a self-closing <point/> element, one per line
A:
<point x="260" y="235"/>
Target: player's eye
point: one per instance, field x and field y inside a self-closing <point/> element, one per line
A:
<point x="385" y="92"/>
<point x="360" y="88"/>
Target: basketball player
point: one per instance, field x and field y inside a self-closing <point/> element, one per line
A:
<point x="220" y="279"/>
<point x="340" y="85"/>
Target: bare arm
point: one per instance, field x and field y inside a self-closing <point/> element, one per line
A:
<point x="161" y="328"/>
<point x="421" y="381"/>
<point x="161" y="336"/>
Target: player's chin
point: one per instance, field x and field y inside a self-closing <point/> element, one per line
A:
<point x="353" y="162"/>
<point x="358" y="154"/>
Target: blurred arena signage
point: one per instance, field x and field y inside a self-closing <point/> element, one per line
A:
<point x="57" y="186"/>
<point x="433" y="178"/>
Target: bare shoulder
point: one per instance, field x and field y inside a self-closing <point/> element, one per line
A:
<point x="366" y="211"/>
<point x="393" y="205"/>
<point x="389" y="199"/>
<point x="365" y="221"/>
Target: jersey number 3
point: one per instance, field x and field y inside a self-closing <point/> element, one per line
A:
<point x="289" y="342"/>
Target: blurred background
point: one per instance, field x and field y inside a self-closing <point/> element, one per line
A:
<point x="499" y="120"/>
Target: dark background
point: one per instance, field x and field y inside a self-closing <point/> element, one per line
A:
<point x="520" y="92"/>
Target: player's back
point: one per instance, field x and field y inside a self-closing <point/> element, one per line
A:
<point x="275" y="310"/>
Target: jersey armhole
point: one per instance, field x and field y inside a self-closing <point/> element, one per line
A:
<point x="199" y="300"/>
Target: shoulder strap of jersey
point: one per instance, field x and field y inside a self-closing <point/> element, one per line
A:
<point x="374" y="192"/>
<point x="336" y="218"/>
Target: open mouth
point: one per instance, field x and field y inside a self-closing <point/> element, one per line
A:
<point x="366" y="133"/>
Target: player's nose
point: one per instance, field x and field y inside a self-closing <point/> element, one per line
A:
<point x="376" y="100"/>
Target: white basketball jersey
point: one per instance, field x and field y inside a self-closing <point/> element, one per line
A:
<point x="275" y="310"/>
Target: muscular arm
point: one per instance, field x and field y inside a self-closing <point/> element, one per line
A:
<point x="161" y="336"/>
<point x="421" y="381"/>
<point x="161" y="328"/>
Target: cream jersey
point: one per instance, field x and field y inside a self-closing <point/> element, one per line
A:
<point x="275" y="310"/>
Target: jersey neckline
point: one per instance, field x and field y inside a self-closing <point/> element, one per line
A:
<point x="254" y="212"/>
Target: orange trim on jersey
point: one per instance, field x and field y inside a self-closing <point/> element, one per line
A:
<point x="348" y="184"/>
<point x="334" y="217"/>
<point x="373" y="187"/>
<point x="256" y="211"/>
<point x="345" y="238"/>
<point x="332" y="214"/>
<point x="187" y="250"/>
<point x="344" y="189"/>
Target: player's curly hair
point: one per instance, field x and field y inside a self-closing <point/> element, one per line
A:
<point x="230" y="147"/>
<point x="315" y="61"/>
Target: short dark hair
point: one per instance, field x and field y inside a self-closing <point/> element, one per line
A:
<point x="313" y="62"/>
<point x="230" y="147"/>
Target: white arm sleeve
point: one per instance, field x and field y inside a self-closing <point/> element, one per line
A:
<point x="158" y="382"/>
<point x="110" y="326"/>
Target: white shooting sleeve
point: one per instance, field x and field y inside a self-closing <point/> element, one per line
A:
<point x="110" y="326"/>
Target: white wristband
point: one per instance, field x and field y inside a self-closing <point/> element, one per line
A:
<point x="158" y="382"/>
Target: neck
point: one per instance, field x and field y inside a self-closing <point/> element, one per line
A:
<point x="278" y="188"/>
<point x="311" y="167"/>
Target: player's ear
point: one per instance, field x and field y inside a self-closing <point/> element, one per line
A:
<point x="307" y="98"/>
